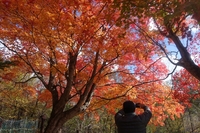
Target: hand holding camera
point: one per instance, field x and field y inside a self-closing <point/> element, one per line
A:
<point x="139" y="105"/>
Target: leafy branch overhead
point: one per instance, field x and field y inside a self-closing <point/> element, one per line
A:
<point x="172" y="22"/>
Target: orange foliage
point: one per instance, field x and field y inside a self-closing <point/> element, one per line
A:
<point x="158" y="97"/>
<point x="45" y="97"/>
<point x="49" y="36"/>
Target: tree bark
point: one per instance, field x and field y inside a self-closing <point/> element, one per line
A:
<point x="185" y="61"/>
<point x="59" y="115"/>
<point x="56" y="122"/>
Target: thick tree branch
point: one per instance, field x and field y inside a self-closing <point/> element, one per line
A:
<point x="185" y="60"/>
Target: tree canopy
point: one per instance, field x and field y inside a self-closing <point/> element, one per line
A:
<point x="90" y="53"/>
<point x="173" y="23"/>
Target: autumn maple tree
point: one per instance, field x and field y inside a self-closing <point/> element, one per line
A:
<point x="167" y="24"/>
<point x="82" y="59"/>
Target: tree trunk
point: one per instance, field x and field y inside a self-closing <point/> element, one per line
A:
<point x="54" y="125"/>
<point x="58" y="119"/>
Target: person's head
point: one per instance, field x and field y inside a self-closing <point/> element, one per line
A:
<point x="128" y="107"/>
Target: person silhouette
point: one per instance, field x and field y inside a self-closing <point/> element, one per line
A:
<point x="127" y="121"/>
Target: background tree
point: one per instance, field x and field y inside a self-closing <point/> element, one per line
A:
<point x="19" y="97"/>
<point x="19" y="94"/>
<point x="191" y="117"/>
<point x="166" y="24"/>
<point x="188" y="122"/>
<point x="186" y="87"/>
<point x="173" y="126"/>
<point x="93" y="123"/>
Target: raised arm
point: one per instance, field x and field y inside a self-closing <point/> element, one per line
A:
<point x="146" y="115"/>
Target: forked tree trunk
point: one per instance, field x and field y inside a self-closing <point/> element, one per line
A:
<point x="56" y="122"/>
<point x="59" y="117"/>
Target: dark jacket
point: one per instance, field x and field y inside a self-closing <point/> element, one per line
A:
<point x="132" y="123"/>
